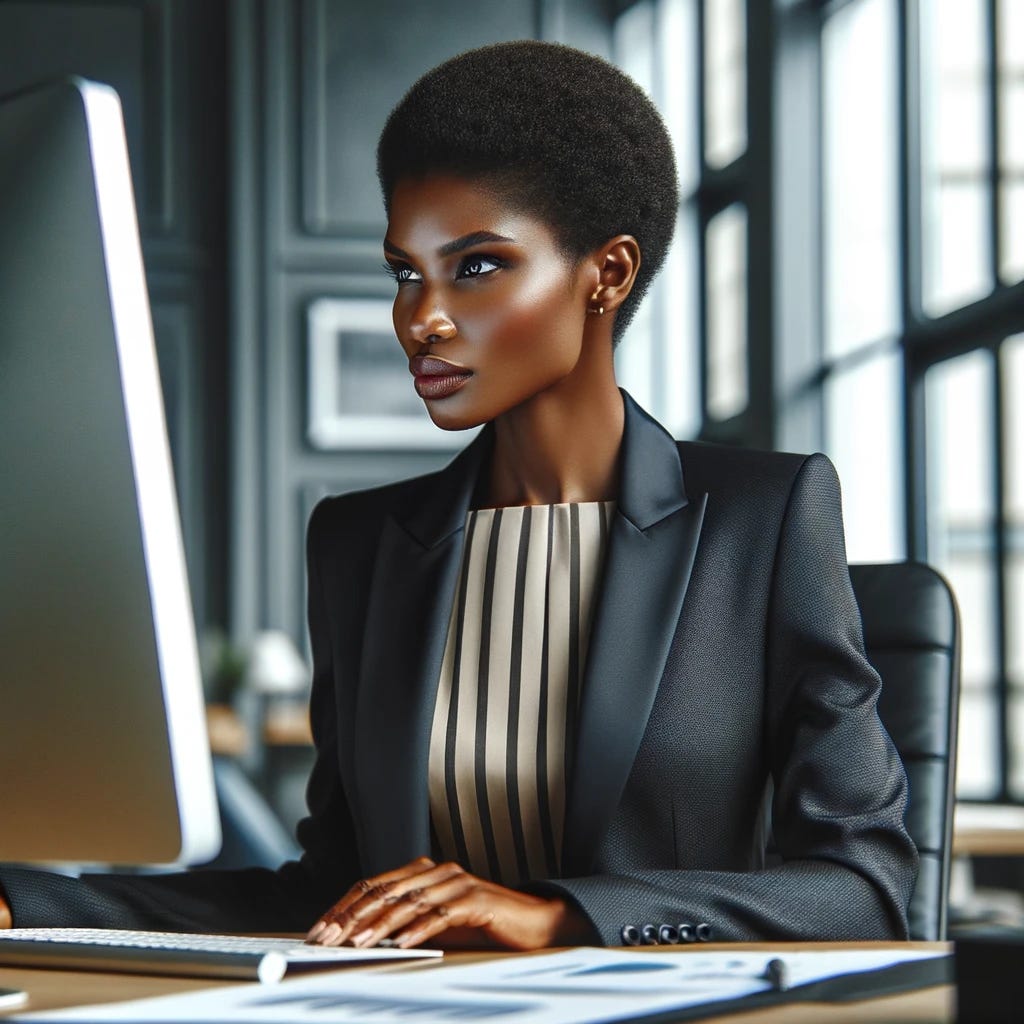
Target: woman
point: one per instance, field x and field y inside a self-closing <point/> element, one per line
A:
<point x="561" y="687"/>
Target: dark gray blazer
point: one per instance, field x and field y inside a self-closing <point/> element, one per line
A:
<point x="726" y="697"/>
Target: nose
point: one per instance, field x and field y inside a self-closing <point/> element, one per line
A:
<point x="429" y="321"/>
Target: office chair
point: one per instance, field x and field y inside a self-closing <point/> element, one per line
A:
<point x="912" y="636"/>
<point x="252" y="834"/>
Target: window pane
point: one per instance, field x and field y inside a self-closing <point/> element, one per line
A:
<point x="679" y="370"/>
<point x="727" y="312"/>
<point x="859" y="153"/>
<point x="961" y="544"/>
<point x="657" y="360"/>
<point x="864" y="438"/>
<point x="1011" y="138"/>
<point x="1012" y="371"/>
<point x="637" y="355"/>
<point x="655" y="42"/>
<point x="725" y="81"/>
<point x="977" y="770"/>
<point x="677" y="29"/>
<point x="1016" y="716"/>
<point x="633" y="44"/>
<point x="955" y="190"/>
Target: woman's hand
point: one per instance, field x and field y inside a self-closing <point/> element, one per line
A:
<point x="5" y="913"/>
<point x="424" y="900"/>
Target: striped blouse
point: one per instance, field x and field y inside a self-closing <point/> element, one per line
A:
<point x="505" y="718"/>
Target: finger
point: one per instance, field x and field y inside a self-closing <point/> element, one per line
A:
<point x="378" y="902"/>
<point x="437" y="922"/>
<point x="378" y="898"/>
<point x="498" y="916"/>
<point x="473" y="910"/>
<point x="328" y="929"/>
<point x="339" y="921"/>
<point x="339" y="914"/>
<point x="414" y="904"/>
<point x="413" y="896"/>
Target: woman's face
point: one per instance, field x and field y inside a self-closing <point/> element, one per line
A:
<point x="488" y="310"/>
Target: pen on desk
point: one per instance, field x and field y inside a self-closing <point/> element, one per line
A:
<point x="777" y="973"/>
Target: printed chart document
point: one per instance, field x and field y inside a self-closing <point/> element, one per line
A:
<point x="573" y="987"/>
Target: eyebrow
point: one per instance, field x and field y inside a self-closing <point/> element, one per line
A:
<point x="451" y="248"/>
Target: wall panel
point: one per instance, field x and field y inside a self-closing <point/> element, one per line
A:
<point x="356" y="63"/>
<point x="317" y="80"/>
<point x="123" y="44"/>
<point x="166" y="60"/>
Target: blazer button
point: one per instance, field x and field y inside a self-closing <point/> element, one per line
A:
<point x="649" y="933"/>
<point x="686" y="933"/>
<point x="630" y="935"/>
<point x="703" y="931"/>
<point x="668" y="935"/>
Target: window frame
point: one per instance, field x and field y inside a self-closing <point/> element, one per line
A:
<point x="924" y="341"/>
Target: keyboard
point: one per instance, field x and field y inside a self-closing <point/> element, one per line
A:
<point x="217" y="956"/>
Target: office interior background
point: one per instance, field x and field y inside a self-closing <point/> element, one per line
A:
<point x="846" y="277"/>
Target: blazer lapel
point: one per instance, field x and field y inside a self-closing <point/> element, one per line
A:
<point x="651" y="550"/>
<point x="410" y="602"/>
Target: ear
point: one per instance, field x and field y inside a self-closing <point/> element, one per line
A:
<point x="616" y="263"/>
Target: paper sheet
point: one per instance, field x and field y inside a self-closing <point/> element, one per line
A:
<point x="572" y="987"/>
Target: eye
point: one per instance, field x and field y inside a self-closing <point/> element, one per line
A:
<point x="401" y="272"/>
<point x="479" y="266"/>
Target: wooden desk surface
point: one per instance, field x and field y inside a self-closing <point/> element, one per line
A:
<point x="53" y="989"/>
<point x="988" y="830"/>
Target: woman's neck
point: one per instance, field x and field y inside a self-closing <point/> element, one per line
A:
<point x="560" y="446"/>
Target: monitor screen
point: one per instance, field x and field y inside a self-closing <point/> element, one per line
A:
<point x="104" y="756"/>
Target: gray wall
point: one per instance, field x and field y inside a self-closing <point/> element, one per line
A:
<point x="312" y="82"/>
<point x="252" y="128"/>
<point x="167" y="62"/>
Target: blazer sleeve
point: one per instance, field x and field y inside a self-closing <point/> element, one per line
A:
<point x="250" y="900"/>
<point x="847" y="863"/>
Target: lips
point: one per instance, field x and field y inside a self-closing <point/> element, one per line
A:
<point x="437" y="378"/>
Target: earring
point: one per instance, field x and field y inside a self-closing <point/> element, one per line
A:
<point x="593" y="298"/>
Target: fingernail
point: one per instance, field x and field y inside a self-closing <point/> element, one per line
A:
<point x="330" y="934"/>
<point x="363" y="936"/>
<point x="316" y="930"/>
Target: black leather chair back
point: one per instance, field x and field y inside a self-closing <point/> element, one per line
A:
<point x="912" y="636"/>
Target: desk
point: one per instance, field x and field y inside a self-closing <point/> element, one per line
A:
<point x="50" y="989"/>
<point x="988" y="830"/>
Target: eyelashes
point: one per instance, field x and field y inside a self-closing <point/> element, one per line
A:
<point x="400" y="273"/>
<point x="470" y="267"/>
<point x="488" y="263"/>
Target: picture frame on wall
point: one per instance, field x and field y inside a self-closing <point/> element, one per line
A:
<point x="360" y="391"/>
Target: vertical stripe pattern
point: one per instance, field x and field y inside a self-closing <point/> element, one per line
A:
<point x="504" y="725"/>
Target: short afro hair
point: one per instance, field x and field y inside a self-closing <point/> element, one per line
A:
<point x="562" y="134"/>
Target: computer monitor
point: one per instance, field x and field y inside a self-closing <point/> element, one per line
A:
<point x="104" y="756"/>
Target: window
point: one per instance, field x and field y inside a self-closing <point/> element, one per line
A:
<point x="910" y="361"/>
<point x="955" y="150"/>
<point x="1011" y="366"/>
<point x="726" y="316"/>
<point x="1010" y="99"/>
<point x="865" y="170"/>
<point x="658" y="361"/>
<point x="961" y="517"/>
<point x="688" y="356"/>
<point x="862" y="366"/>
